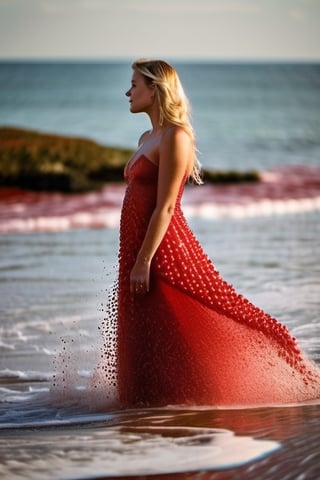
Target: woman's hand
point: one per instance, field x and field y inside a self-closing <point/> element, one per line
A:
<point x="140" y="277"/>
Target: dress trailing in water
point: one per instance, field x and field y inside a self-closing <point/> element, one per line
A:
<point x="193" y="339"/>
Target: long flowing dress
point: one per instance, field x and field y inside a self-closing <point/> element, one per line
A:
<point x="193" y="339"/>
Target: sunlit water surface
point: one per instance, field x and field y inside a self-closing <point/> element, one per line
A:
<point x="54" y="285"/>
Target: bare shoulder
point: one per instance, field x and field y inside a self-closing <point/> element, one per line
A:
<point x="176" y="142"/>
<point x="176" y="135"/>
<point x="143" y="137"/>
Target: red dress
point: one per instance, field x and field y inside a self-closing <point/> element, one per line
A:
<point x="192" y="339"/>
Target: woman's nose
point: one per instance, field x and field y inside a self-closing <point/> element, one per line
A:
<point x="127" y="93"/>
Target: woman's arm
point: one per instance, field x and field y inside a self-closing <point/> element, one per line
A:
<point x="175" y="158"/>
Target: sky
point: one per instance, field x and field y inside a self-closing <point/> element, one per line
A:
<point x="191" y="29"/>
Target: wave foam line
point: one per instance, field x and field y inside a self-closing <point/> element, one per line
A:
<point x="94" y="220"/>
<point x="253" y="209"/>
<point x="31" y="376"/>
<point x="205" y="210"/>
<point x="114" y="453"/>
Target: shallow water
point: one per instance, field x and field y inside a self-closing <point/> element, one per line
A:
<point x="54" y="272"/>
<point x="54" y="285"/>
<point x="277" y="443"/>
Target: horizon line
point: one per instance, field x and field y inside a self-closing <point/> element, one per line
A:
<point x="178" y="58"/>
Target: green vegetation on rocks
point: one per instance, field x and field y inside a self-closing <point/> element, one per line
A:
<point x="39" y="161"/>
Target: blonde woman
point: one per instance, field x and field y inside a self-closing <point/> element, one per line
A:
<point x="184" y="336"/>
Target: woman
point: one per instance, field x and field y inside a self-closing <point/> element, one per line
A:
<point x="184" y="335"/>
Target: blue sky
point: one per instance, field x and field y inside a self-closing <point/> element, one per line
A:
<point x="218" y="29"/>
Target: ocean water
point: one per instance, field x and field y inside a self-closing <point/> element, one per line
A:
<point x="245" y="115"/>
<point x="58" y="257"/>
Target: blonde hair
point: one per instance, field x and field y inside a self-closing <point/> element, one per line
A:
<point x="173" y="103"/>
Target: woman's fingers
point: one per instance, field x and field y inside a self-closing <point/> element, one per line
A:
<point x="138" y="287"/>
<point x="139" y="279"/>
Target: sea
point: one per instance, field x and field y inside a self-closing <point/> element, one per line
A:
<point x="58" y="258"/>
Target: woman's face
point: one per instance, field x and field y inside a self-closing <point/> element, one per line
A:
<point x="141" y="95"/>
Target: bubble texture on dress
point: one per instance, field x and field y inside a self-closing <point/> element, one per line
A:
<point x="193" y="339"/>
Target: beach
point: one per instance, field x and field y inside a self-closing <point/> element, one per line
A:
<point x="54" y="286"/>
<point x="59" y="257"/>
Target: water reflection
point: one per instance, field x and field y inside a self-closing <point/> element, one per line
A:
<point x="295" y="427"/>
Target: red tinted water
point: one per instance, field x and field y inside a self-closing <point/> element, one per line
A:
<point x="289" y="189"/>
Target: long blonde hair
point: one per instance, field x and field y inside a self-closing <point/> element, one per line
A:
<point x="173" y="103"/>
